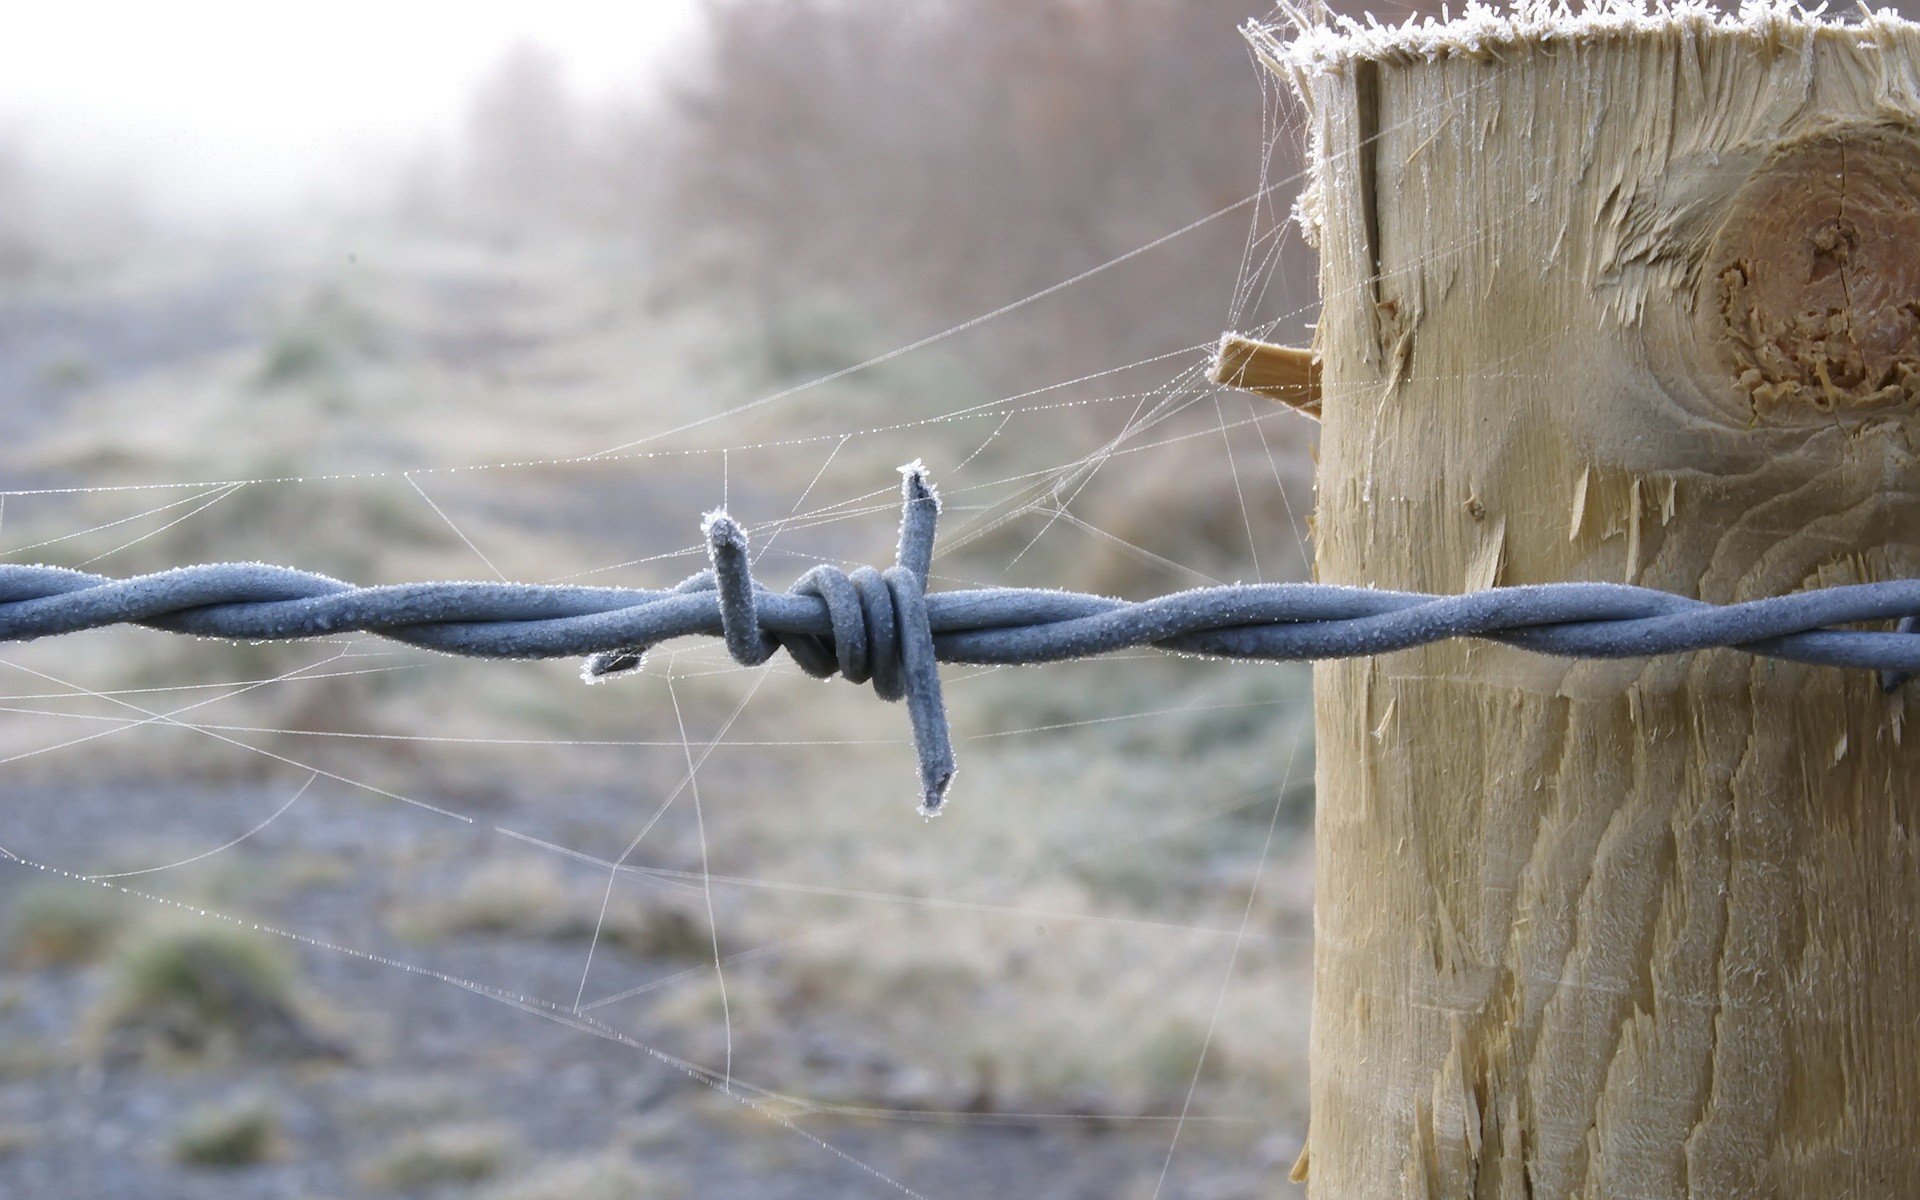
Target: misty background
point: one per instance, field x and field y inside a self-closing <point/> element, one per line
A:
<point x="400" y="292"/>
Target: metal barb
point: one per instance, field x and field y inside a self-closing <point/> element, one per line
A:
<point x="919" y="509"/>
<point x="733" y="578"/>
<point x="883" y="627"/>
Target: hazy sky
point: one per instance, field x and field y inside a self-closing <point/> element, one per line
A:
<point x="224" y="103"/>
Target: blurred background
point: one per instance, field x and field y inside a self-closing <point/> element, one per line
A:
<point x="414" y="291"/>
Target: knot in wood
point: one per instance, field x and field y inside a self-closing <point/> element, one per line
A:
<point x="1814" y="281"/>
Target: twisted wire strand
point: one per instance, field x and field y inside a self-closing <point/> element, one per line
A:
<point x="883" y="627"/>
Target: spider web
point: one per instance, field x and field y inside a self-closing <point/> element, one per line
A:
<point x="711" y="875"/>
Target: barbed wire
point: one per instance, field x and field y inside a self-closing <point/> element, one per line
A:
<point x="883" y="626"/>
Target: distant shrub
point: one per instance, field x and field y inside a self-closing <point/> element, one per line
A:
<point x="58" y="923"/>
<point x="70" y="370"/>
<point x="529" y="898"/>
<point x="295" y="355"/>
<point x="407" y="1100"/>
<point x="205" y="991"/>
<point x="448" y="1154"/>
<point x="16" y="1139"/>
<point x="23" y="1058"/>
<point x="1170" y="1054"/>
<point x="521" y="898"/>
<point x="600" y="1177"/>
<point x="654" y="929"/>
<point x="232" y="1135"/>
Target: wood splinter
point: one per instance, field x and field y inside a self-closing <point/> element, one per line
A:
<point x="1284" y="373"/>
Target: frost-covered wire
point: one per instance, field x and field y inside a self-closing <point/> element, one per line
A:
<point x="883" y="626"/>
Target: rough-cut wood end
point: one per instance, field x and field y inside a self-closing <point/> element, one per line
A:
<point x="1284" y="373"/>
<point x="1812" y="291"/>
<point x="1309" y="39"/>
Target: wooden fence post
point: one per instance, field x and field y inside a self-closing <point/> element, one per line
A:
<point x="1635" y="298"/>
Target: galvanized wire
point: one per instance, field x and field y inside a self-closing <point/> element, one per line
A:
<point x="884" y="627"/>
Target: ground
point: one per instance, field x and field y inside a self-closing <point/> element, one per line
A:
<point x="1016" y="998"/>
